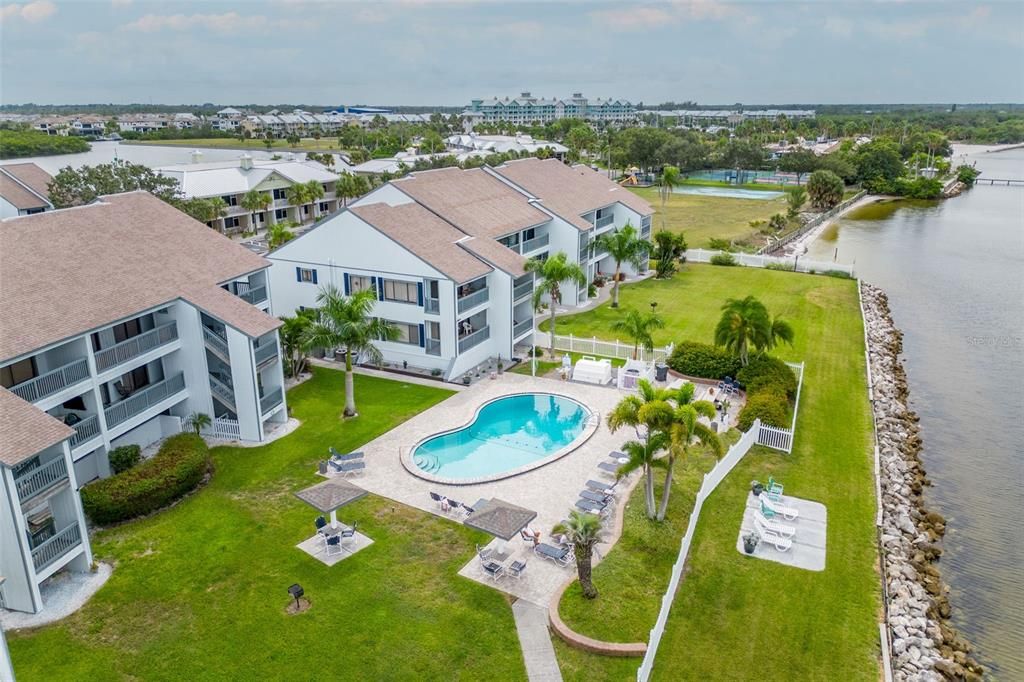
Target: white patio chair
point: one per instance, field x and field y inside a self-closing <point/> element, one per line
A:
<point x="771" y="537"/>
<point x="772" y="508"/>
<point x="775" y="526"/>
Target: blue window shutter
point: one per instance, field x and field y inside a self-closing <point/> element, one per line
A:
<point x="419" y="293"/>
<point x="298" y="274"/>
<point x="314" y="276"/>
<point x="423" y="341"/>
<point x="347" y="287"/>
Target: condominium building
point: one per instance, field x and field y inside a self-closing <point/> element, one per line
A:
<point x="231" y="180"/>
<point x="121" y="318"/>
<point x="24" y="190"/>
<point x="503" y="144"/>
<point x="529" y="109"/>
<point x="445" y="252"/>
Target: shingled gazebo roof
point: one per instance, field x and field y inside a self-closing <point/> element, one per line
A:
<point x="501" y="519"/>
<point x="331" y="494"/>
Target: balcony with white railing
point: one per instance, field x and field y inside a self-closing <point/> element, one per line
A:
<point x="271" y="400"/>
<point x="474" y="339"/>
<point x="432" y="346"/>
<point x="143" y="399"/>
<point x="132" y="348"/>
<point x="432" y="306"/>
<point x="604" y="221"/>
<point x="215" y="341"/>
<point x="34" y="481"/>
<point x="535" y="244"/>
<point x="522" y="289"/>
<point x="521" y="328"/>
<point x="474" y="299"/>
<point x="52" y="382"/>
<point x="254" y="295"/>
<point x="56" y="546"/>
<point x="266" y="353"/>
<point x="223" y="390"/>
<point x="85" y="430"/>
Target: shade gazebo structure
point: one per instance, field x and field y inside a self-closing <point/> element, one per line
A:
<point x="501" y="519"/>
<point x="330" y="496"/>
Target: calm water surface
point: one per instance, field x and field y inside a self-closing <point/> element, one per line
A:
<point x="954" y="271"/>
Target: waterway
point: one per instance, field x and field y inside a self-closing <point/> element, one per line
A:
<point x="954" y="273"/>
<point x="152" y="156"/>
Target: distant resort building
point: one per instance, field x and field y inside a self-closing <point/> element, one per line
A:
<point x="24" y="190"/>
<point x="705" y="118"/>
<point x="528" y="109"/>
<point x="503" y="144"/>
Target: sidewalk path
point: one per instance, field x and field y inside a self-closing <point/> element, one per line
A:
<point x="535" y="641"/>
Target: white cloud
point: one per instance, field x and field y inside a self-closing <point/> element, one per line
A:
<point x="121" y="3"/>
<point x="229" y="22"/>
<point x="31" y="12"/>
<point x="655" y="16"/>
<point x="839" y="26"/>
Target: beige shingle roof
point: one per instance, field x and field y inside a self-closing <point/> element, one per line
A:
<point x="231" y="310"/>
<point x="569" y="191"/>
<point x="426" y="236"/>
<point x="25" y="430"/>
<point x="501" y="257"/>
<point x="30" y="175"/>
<point x="473" y="201"/>
<point x="66" y="272"/>
<point x="17" y="196"/>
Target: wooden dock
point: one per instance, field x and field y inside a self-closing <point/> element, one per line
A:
<point x="999" y="181"/>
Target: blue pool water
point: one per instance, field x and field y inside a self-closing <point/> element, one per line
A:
<point x="727" y="192"/>
<point x="507" y="433"/>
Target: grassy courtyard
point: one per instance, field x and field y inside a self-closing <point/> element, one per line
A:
<point x="308" y="144"/>
<point x="199" y="590"/>
<point x="702" y="218"/>
<point x="733" y="615"/>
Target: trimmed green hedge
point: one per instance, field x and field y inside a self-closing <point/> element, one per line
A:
<point x="765" y="372"/>
<point x="124" y="458"/>
<point x="174" y="471"/>
<point x="770" y="406"/>
<point x="703" y="360"/>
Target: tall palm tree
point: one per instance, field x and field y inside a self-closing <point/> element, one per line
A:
<point x="638" y="326"/>
<point x="314" y="193"/>
<point x="650" y="414"/>
<point x="348" y="322"/>
<point x="625" y="246"/>
<point x="669" y="180"/>
<point x="255" y="201"/>
<point x="553" y="272"/>
<point x="294" y="339"/>
<point x="298" y="196"/>
<point x="582" y="530"/>
<point x="278" y="234"/>
<point x="746" y="324"/>
<point x="684" y="433"/>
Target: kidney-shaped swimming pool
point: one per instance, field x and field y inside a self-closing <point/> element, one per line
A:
<point x="507" y="434"/>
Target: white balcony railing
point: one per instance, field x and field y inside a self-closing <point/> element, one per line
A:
<point x="136" y="346"/>
<point x="215" y="341"/>
<point x="85" y="430"/>
<point x="521" y="328"/>
<point x="40" y="478"/>
<point x="266" y="352"/>
<point x="223" y="390"/>
<point x="270" y="400"/>
<point x="474" y="339"/>
<point x="522" y="290"/>
<point x="142" y="400"/>
<point x="52" y="382"/>
<point x="474" y="299"/>
<point x="531" y="245"/>
<point x="432" y="347"/>
<point x="432" y="306"/>
<point x="254" y="296"/>
<point x="604" y="221"/>
<point x="57" y="546"/>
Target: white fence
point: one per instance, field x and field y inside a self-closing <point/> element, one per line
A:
<point x="595" y="346"/>
<point x="708" y="485"/>
<point x="223" y="427"/>
<point x="755" y="260"/>
<point x="777" y="437"/>
<point x="812" y="224"/>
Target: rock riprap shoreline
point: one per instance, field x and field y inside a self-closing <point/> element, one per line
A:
<point x="925" y="646"/>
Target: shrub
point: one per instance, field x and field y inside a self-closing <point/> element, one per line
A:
<point x="785" y="267"/>
<point x="765" y="373"/>
<point x="825" y="189"/>
<point x="124" y="458"/>
<point x="703" y="360"/>
<point x="723" y="259"/>
<point x="770" y="406"/>
<point x="841" y="274"/>
<point x="175" y="470"/>
<point x="716" y="244"/>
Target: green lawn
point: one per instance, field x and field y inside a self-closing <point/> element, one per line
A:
<point x="734" y="615"/>
<point x="308" y="144"/>
<point x="199" y="590"/>
<point x="544" y="365"/>
<point x="702" y="218"/>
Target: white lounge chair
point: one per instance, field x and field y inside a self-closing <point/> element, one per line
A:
<point x="775" y="526"/>
<point x="770" y="508"/>
<point x="771" y="537"/>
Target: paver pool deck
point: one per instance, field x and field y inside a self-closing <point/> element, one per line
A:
<point x="550" y="490"/>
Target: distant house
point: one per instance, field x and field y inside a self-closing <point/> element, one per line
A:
<point x="24" y="190"/>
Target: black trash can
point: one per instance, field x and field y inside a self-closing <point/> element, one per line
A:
<point x="661" y="372"/>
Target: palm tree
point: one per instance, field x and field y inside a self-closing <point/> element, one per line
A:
<point x="650" y="414"/>
<point x="298" y="196"/>
<point x="582" y="530"/>
<point x="638" y="326"/>
<point x="294" y="337"/>
<point x="197" y="421"/>
<point x="255" y="201"/>
<point x="669" y="179"/>
<point x="348" y="322"/>
<point x="684" y="433"/>
<point x="314" y="193"/>
<point x="278" y="234"/>
<point x="553" y="272"/>
<point x="745" y="323"/>
<point x="625" y="246"/>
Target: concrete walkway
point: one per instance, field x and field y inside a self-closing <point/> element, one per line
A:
<point x="383" y="374"/>
<point x="535" y="641"/>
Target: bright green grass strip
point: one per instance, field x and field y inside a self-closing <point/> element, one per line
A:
<point x="199" y="590"/>
<point x="736" y="617"/>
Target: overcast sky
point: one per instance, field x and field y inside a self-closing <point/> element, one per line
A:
<point x="446" y="53"/>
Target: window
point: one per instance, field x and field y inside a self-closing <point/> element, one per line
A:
<point x="230" y="222"/>
<point x="230" y="199"/>
<point x="281" y="214"/>
<point x="18" y="372"/>
<point x="401" y="292"/>
<point x="433" y="330"/>
<point x="407" y="333"/>
<point x="126" y="330"/>
<point x="280" y="194"/>
<point x="307" y="275"/>
<point x="359" y="283"/>
<point x="323" y="206"/>
<point x="529" y="234"/>
<point x="512" y="241"/>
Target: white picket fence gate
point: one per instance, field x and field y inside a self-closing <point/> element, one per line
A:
<point x="595" y="346"/>
<point x="223" y="427"/>
<point x="754" y="260"/>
